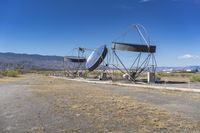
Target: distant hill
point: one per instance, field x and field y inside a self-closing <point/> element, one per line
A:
<point x="34" y="61"/>
<point x="26" y="61"/>
<point x="178" y="68"/>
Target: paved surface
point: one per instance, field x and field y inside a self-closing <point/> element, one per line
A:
<point x="36" y="105"/>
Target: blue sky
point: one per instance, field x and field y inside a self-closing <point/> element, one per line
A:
<point x="54" y="27"/>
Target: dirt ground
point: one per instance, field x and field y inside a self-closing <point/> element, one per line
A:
<point x="39" y="104"/>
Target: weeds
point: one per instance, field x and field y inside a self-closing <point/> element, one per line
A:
<point x="9" y="73"/>
<point x="195" y="78"/>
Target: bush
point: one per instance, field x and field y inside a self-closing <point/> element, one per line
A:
<point x="3" y="73"/>
<point x="175" y="74"/>
<point x="12" y="73"/>
<point x="9" y="73"/>
<point x="195" y="78"/>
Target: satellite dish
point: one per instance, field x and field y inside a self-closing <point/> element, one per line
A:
<point x="143" y="62"/>
<point x="134" y="47"/>
<point x="75" y="59"/>
<point x="72" y="64"/>
<point x="96" y="58"/>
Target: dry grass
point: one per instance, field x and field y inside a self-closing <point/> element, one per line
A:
<point x="176" y="76"/>
<point x="106" y="112"/>
<point x="8" y="79"/>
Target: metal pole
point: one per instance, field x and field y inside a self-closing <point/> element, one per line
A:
<point x="140" y="33"/>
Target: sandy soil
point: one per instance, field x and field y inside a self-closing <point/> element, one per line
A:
<point x="8" y="79"/>
<point x="38" y="104"/>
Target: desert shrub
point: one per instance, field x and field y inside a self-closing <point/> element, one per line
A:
<point x="195" y="78"/>
<point x="12" y="73"/>
<point x="3" y="73"/>
<point x="175" y="74"/>
<point x="9" y="73"/>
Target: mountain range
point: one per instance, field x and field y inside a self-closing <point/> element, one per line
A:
<point x="181" y="68"/>
<point x="34" y="61"/>
<point x="27" y="61"/>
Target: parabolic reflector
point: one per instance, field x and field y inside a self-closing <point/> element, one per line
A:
<point x="134" y="47"/>
<point x="74" y="63"/>
<point x="96" y="58"/>
<point x="75" y="59"/>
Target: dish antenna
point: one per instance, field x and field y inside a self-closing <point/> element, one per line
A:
<point x="145" y="59"/>
<point x="74" y="64"/>
<point x="96" y="58"/>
